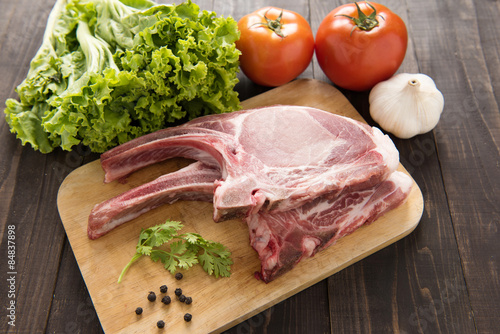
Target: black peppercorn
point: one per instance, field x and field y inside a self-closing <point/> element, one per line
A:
<point x="189" y="300"/>
<point x="163" y="289"/>
<point x="166" y="300"/>
<point x="178" y="292"/>
<point x="187" y="317"/>
<point x="182" y="298"/>
<point x="160" y="324"/>
<point x="178" y="276"/>
<point x="151" y="296"/>
<point x="138" y="310"/>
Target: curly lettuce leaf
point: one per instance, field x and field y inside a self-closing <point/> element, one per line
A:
<point x="109" y="71"/>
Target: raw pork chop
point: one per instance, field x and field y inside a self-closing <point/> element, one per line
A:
<point x="274" y="158"/>
<point x="194" y="182"/>
<point x="282" y="239"/>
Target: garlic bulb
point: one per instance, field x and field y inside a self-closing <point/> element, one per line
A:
<point x="406" y="104"/>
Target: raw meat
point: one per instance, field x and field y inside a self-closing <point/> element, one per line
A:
<point x="194" y="182"/>
<point x="282" y="239"/>
<point x="273" y="159"/>
<point x="302" y="178"/>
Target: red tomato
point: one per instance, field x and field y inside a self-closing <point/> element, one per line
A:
<point x="358" y="46"/>
<point x="276" y="46"/>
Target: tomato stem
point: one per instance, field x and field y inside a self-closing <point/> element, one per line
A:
<point x="274" y="25"/>
<point x="364" y="22"/>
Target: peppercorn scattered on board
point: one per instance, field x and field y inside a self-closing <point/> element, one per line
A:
<point x="217" y="303"/>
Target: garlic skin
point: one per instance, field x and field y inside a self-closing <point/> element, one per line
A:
<point x="406" y="104"/>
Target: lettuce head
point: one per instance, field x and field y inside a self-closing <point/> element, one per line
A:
<point x="109" y="71"/>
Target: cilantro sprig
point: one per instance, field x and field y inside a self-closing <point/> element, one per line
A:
<point x="183" y="250"/>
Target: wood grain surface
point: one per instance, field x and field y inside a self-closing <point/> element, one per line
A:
<point x="102" y="260"/>
<point x="442" y="278"/>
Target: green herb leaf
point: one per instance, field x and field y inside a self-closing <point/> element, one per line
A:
<point x="168" y="260"/>
<point x="215" y="259"/>
<point x="187" y="260"/>
<point x="191" y="238"/>
<point x="164" y="233"/>
<point x="144" y="250"/>
<point x="157" y="236"/>
<point x="187" y="250"/>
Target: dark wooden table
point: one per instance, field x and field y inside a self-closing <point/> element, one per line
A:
<point x="442" y="278"/>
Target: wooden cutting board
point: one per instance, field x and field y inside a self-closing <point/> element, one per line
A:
<point x="218" y="304"/>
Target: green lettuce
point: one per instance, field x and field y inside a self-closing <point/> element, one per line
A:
<point x="109" y="71"/>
